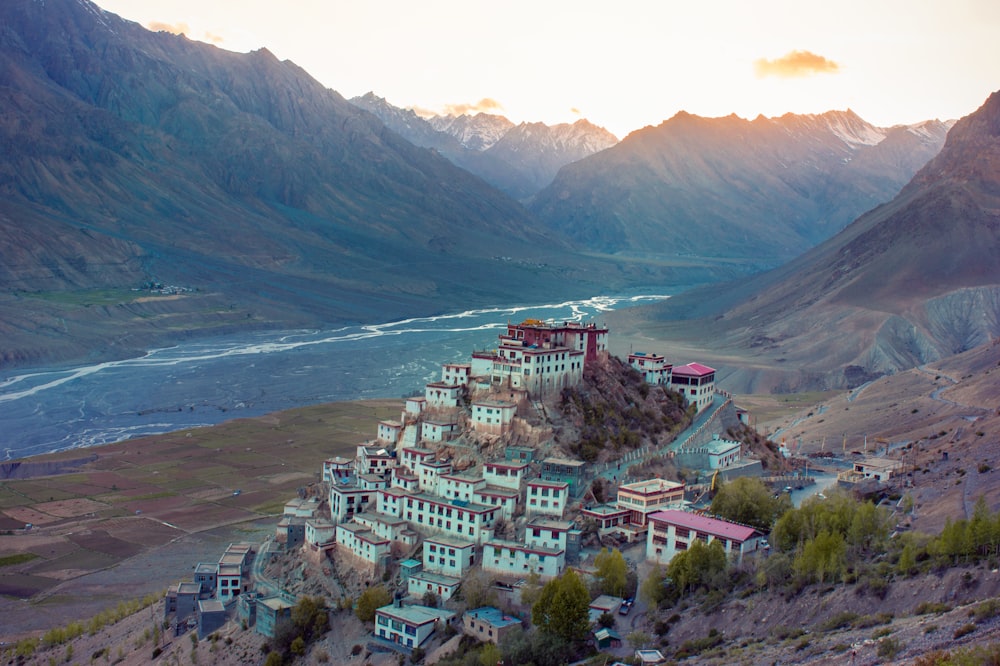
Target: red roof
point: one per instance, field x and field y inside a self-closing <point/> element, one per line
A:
<point x="722" y="529"/>
<point x="693" y="370"/>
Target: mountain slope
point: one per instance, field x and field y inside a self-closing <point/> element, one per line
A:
<point x="912" y="281"/>
<point x="132" y="156"/>
<point x="517" y="159"/>
<point x="728" y="187"/>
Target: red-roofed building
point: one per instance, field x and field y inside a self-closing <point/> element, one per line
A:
<point x="671" y="532"/>
<point x="696" y="382"/>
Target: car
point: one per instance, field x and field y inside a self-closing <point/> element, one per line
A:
<point x="626" y="606"/>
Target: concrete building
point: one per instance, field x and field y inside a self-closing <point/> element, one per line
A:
<point x="674" y="531"/>
<point x="337" y="468"/>
<point x="374" y="460"/>
<point x="546" y="497"/>
<point x="510" y="558"/>
<point x="348" y="499"/>
<point x="453" y="557"/>
<point x="506" y="499"/>
<point x="696" y="382"/>
<point x="206" y="575"/>
<point x="609" y="517"/>
<point x="388" y="431"/>
<point x="442" y="395"/>
<point x="270" y="611"/>
<point x="414" y="407"/>
<point x="654" y="368"/>
<point x="645" y="497"/>
<point x="410" y="457"/>
<point x="430" y="472"/>
<point x="361" y="542"/>
<point x="409" y="626"/>
<point x="456" y="373"/>
<point x="422" y="582"/>
<point x="488" y="624"/>
<point x="548" y="533"/>
<point x="233" y="573"/>
<point x="290" y="532"/>
<point x="211" y="617"/>
<point x="320" y="531"/>
<point x="459" y="486"/>
<point x="493" y="417"/>
<point x="564" y="469"/>
<point x="438" y="431"/>
<point x="456" y="518"/>
<point x="505" y="474"/>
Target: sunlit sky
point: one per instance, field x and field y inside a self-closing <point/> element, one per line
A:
<point x="624" y="64"/>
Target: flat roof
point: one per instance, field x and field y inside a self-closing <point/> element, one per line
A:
<point x="494" y="616"/>
<point x="564" y="461"/>
<point x="603" y="510"/>
<point x="551" y="523"/>
<point x="415" y="615"/>
<point x="448" y="541"/>
<point x="436" y="578"/>
<point x="651" y="486"/>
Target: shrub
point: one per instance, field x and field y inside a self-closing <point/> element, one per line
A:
<point x="888" y="648"/>
<point x="928" y="607"/>
<point x="964" y="630"/>
<point x="839" y="621"/>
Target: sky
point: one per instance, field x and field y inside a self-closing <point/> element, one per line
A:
<point x="623" y="64"/>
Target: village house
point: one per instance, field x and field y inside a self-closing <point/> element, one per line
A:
<point x="488" y="624"/>
<point x="505" y="499"/>
<point x="211" y="616"/>
<point x="453" y="557"/>
<point x="437" y="430"/>
<point x="347" y="499"/>
<point x="409" y="626"/>
<point x="548" y="533"/>
<point x="420" y="583"/>
<point x="546" y="497"/>
<point x="319" y="531"/>
<point x="505" y="474"/>
<point x="361" y="542"/>
<point x="442" y="395"/>
<point x="429" y="473"/>
<point x="270" y="611"/>
<point x="717" y="453"/>
<point x="609" y="517"/>
<point x="645" y="497"/>
<point x="388" y="527"/>
<point x="337" y="468"/>
<point x="301" y="508"/>
<point x="411" y="456"/>
<point x="205" y="574"/>
<point x="374" y="460"/>
<point x="509" y="558"/>
<point x="673" y="531"/>
<point x="493" y="417"/>
<point x="605" y="603"/>
<point x="564" y="469"/>
<point x="436" y="515"/>
<point x="460" y="486"/>
<point x="414" y="407"/>
<point x="403" y="479"/>
<point x="653" y="368"/>
<point x="696" y="382"/>
<point x="880" y="469"/>
<point x="388" y="431"/>
<point x="456" y="373"/>
<point x="233" y="575"/>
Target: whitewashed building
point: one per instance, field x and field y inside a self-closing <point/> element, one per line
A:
<point x="453" y="557"/>
<point x="456" y="373"/>
<point x="437" y="431"/>
<point x="493" y="417"/>
<point x="422" y="582"/>
<point x="696" y="382"/>
<point x="409" y="626"/>
<point x="671" y="532"/>
<point x="546" y="497"/>
<point x="361" y="542"/>
<point x="510" y="558"/>
<point x="505" y="474"/>
<point x="388" y="431"/>
<point x="653" y="367"/>
<point x="442" y="395"/>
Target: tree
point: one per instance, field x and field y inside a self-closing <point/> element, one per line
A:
<point x="531" y="588"/>
<point x="490" y="655"/>
<point x="611" y="572"/>
<point x="699" y="566"/>
<point x="749" y="501"/>
<point x="477" y="590"/>
<point x="654" y="588"/>
<point x="822" y="558"/>
<point x="371" y="599"/>
<point x="562" y="609"/>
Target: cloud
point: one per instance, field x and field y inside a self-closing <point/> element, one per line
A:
<point x="174" y="28"/>
<point x="576" y="112"/>
<point x="485" y="105"/>
<point x="213" y="38"/>
<point x="795" y="64"/>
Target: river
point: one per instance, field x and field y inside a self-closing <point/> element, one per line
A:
<point x="205" y="382"/>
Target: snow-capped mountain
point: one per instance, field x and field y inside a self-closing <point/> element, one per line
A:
<point x="727" y="187"/>
<point x="517" y="159"/>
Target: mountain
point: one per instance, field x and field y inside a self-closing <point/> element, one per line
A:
<point x="769" y="188"/>
<point x="912" y="281"/>
<point x="517" y="159"/>
<point x="133" y="157"/>
<point x="476" y="132"/>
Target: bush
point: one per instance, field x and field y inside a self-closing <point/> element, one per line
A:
<point x="888" y="648"/>
<point x="928" y="607"/>
<point x="964" y="630"/>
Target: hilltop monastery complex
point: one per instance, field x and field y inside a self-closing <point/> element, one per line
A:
<point x="402" y="500"/>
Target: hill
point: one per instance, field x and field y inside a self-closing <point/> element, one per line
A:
<point x="912" y="281"/>
<point x="133" y="157"/>
<point x="766" y="189"/>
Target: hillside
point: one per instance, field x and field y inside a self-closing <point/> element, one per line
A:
<point x="769" y="188"/>
<point x="912" y="281"/>
<point x="133" y="157"/>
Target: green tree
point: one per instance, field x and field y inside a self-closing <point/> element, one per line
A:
<point x="531" y="589"/>
<point x="612" y="572"/>
<point x="654" y="589"/>
<point x="749" y="501"/>
<point x="822" y="558"/>
<point x="700" y="566"/>
<point x="371" y="599"/>
<point x="562" y="609"/>
<point x="490" y="655"/>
